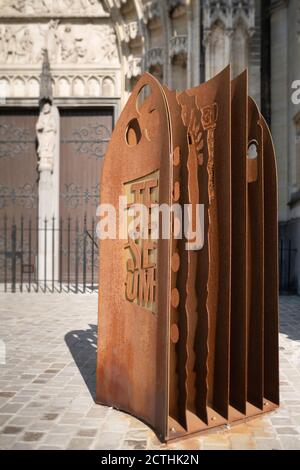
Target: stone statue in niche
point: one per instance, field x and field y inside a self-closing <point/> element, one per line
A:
<point x="46" y="129"/>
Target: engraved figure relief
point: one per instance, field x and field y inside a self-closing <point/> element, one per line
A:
<point x="21" y="44"/>
<point x="24" y="47"/>
<point x="81" y="49"/>
<point x="10" y="45"/>
<point x="68" y="50"/>
<point x="52" y="40"/>
<point x="109" y="47"/>
<point x="2" y="46"/>
<point x="191" y="119"/>
<point x="51" y="7"/>
<point x="66" y="43"/>
<point x="46" y="129"/>
<point x="209" y="123"/>
<point x="141" y="252"/>
<point x="17" y="5"/>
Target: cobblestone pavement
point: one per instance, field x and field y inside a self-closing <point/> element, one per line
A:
<point x="48" y="383"/>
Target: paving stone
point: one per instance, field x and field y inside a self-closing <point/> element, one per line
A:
<point x="80" y="444"/>
<point x="6" y="441"/>
<point x="242" y="442"/>
<point x="134" y="445"/>
<point x="12" y="430"/>
<point x="268" y="444"/>
<point x="87" y="432"/>
<point x="58" y="439"/>
<point x="50" y="416"/>
<point x="290" y="443"/>
<point x="286" y="430"/>
<point x="32" y="436"/>
<point x="11" y="408"/>
<point x="109" y="441"/>
<point x="4" y="418"/>
<point x="7" y="394"/>
<point x="50" y="447"/>
<point x="20" y="421"/>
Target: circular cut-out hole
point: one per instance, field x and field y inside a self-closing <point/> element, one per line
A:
<point x="174" y="333"/>
<point x="133" y="133"/>
<point x="175" y="262"/>
<point x="175" y="297"/>
<point x="142" y="97"/>
<point x="252" y="150"/>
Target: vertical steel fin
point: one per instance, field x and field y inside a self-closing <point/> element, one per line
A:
<point x="238" y="335"/>
<point x="178" y="318"/>
<point x="271" y="347"/>
<point x="213" y="101"/>
<point x="255" y="255"/>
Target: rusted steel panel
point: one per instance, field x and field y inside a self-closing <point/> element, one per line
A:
<point x="188" y="337"/>
<point x="133" y="340"/>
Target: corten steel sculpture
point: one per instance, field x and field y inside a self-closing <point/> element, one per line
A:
<point x="188" y="339"/>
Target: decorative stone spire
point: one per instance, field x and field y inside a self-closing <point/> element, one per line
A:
<point x="45" y="80"/>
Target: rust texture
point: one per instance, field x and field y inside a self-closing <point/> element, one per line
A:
<point x="188" y="339"/>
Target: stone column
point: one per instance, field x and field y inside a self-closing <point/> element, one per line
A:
<point x="48" y="166"/>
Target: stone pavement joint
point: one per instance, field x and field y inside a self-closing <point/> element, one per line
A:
<point x="47" y="386"/>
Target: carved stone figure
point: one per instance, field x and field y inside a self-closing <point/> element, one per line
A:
<point x="2" y="46"/>
<point x="18" y="5"/>
<point x="68" y="49"/>
<point x="24" y="47"/>
<point x="52" y="40"/>
<point x="80" y="49"/>
<point x="46" y="129"/>
<point x="109" y="46"/>
<point x="9" y="45"/>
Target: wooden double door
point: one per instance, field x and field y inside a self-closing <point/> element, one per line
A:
<point x="84" y="135"/>
<point x="18" y="194"/>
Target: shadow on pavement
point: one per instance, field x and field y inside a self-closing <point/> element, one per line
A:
<point x="83" y="347"/>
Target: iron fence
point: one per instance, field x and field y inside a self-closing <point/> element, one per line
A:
<point x="48" y="255"/>
<point x="62" y="256"/>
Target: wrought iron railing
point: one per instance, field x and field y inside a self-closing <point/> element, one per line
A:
<point x="62" y="256"/>
<point x="48" y="255"/>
